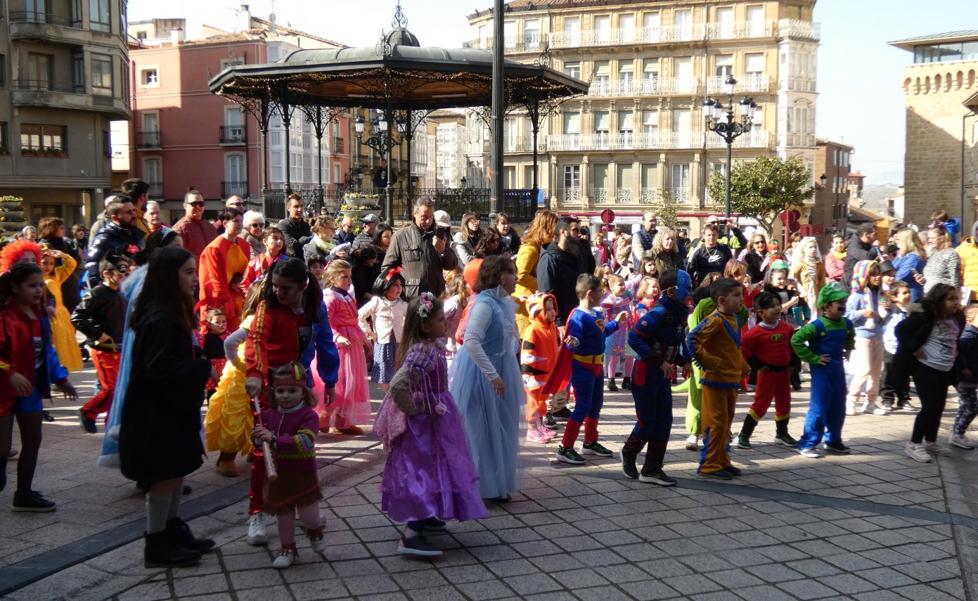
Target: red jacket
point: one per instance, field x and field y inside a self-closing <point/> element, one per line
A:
<point x="274" y="339"/>
<point x="17" y="332"/>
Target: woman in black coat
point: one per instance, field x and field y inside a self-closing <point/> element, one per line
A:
<point x="159" y="441"/>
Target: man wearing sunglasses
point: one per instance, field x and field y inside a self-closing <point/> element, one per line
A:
<point x="196" y="231"/>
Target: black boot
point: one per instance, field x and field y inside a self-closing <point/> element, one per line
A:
<point x="652" y="470"/>
<point x="160" y="552"/>
<point x="612" y="387"/>
<point x="743" y="440"/>
<point x="782" y="435"/>
<point x="626" y="383"/>
<point x="181" y="536"/>
<point x="629" y="454"/>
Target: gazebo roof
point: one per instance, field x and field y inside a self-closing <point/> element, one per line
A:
<point x="412" y="77"/>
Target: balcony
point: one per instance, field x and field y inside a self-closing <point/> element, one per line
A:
<point x="752" y="82"/>
<point x="232" y="188"/>
<point x="799" y="84"/>
<point x="799" y="30"/>
<point x="61" y="95"/>
<point x="757" y="138"/>
<point x="149" y="139"/>
<point x="614" y="88"/>
<point x="569" y="197"/>
<point x="233" y="134"/>
<point x="741" y="30"/>
<point x="797" y="140"/>
<point x="155" y="189"/>
<point x="524" y="144"/>
<point x="55" y="29"/>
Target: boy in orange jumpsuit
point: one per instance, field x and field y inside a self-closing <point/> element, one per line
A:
<point x="715" y="345"/>
<point x="538" y="356"/>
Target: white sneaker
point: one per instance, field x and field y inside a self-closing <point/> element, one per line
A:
<point x="937" y="449"/>
<point x="692" y="442"/>
<point x="880" y="411"/>
<point x="318" y="545"/>
<point x="810" y="452"/>
<point x="257" y="535"/>
<point x="284" y="559"/>
<point x="917" y="452"/>
<point x="961" y="441"/>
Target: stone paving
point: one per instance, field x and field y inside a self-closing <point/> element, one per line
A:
<point x="870" y="526"/>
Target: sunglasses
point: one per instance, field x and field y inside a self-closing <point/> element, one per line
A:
<point x="256" y="224"/>
<point x="196" y="203"/>
<point x="237" y="204"/>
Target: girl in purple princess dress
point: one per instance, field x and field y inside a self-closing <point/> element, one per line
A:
<point x="429" y="475"/>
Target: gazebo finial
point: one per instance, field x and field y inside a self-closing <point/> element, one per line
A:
<point x="400" y="20"/>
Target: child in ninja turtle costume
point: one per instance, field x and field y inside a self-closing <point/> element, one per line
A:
<point x="824" y="344"/>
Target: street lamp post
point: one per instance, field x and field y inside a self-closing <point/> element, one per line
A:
<point x="382" y="140"/>
<point x="729" y="129"/>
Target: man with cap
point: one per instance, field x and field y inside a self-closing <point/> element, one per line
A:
<point x="366" y="237"/>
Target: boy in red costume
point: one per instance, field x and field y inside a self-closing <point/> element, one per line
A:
<point x="767" y="348"/>
<point x="537" y="358"/>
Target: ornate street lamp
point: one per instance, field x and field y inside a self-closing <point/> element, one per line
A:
<point x="729" y="129"/>
<point x="382" y="140"/>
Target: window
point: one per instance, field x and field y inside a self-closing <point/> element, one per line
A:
<point x="651" y="69"/>
<point x="650" y="124"/>
<point x="101" y="74"/>
<point x="509" y="34"/>
<point x="4" y="149"/>
<point x="153" y="172"/>
<point x="602" y="29"/>
<point x="531" y="34"/>
<point x="626" y="25"/>
<point x="78" y="71"/>
<point x="573" y="69"/>
<point x="47" y="140"/>
<point x="40" y="71"/>
<point x="724" y="66"/>
<point x="235" y="175"/>
<point x="649" y="179"/>
<point x="755" y="21"/>
<point x="684" y="24"/>
<point x="572" y="176"/>
<point x="626" y="122"/>
<point x="149" y="76"/>
<point x="37" y="11"/>
<point x="3" y="70"/>
<point x="572" y="30"/>
<point x="100" y="15"/>
<point x="651" y="26"/>
<point x="626" y="71"/>
<point x="725" y="21"/>
<point x="680" y="182"/>
<point x="602" y="122"/>
<point x="602" y="72"/>
<point x="682" y="126"/>
<point x="572" y="123"/>
<point x="755" y="65"/>
<point x="107" y="143"/>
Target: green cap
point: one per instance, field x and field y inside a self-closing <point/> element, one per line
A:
<point x="831" y="292"/>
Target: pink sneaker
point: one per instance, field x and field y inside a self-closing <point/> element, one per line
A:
<point x="535" y="435"/>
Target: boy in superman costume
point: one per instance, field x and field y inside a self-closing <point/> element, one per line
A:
<point x="584" y="345"/>
<point x="657" y="339"/>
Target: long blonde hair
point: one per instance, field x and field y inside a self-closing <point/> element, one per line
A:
<point x="908" y="241"/>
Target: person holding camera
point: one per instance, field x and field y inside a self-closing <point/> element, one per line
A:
<point x="422" y="251"/>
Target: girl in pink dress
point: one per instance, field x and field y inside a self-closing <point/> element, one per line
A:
<point x="351" y="405"/>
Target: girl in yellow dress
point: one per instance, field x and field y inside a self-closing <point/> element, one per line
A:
<point x="62" y="332"/>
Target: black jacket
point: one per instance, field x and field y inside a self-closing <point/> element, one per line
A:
<point x="342" y="237"/>
<point x="557" y="272"/>
<point x="912" y="333"/>
<point x="101" y="312"/>
<point x="113" y="240"/>
<point x="160" y="435"/>
<point x="707" y="260"/>
<point x="856" y="251"/>
<point x="297" y="232"/>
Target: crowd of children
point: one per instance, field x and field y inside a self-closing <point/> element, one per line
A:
<point x="461" y="376"/>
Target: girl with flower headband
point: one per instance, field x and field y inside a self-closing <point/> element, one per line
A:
<point x="429" y="476"/>
<point x="289" y="426"/>
<point x="351" y="405"/>
<point x="385" y="311"/>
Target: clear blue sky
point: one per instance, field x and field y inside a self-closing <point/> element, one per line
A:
<point x="859" y="74"/>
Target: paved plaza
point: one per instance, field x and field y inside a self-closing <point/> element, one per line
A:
<point x="873" y="525"/>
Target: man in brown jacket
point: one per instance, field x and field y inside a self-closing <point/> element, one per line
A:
<point x="421" y="253"/>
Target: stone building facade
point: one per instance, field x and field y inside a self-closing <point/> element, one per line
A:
<point x="637" y="139"/>
<point x="942" y="133"/>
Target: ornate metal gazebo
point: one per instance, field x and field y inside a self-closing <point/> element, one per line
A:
<point x="398" y="77"/>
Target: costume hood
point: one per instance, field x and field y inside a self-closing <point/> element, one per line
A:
<point x="860" y="276"/>
<point x="536" y="305"/>
<point x="684" y="286"/>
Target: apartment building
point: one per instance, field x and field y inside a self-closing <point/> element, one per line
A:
<point x="186" y="137"/>
<point x="63" y="79"/>
<point x="829" y="212"/>
<point x="638" y="138"/>
<point x="941" y="159"/>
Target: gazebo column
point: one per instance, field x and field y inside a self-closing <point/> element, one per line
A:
<point x="286" y="111"/>
<point x="534" y="113"/>
<point x="409" y="136"/>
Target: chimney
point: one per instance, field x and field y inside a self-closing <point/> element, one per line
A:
<point x="244" y="18"/>
<point x="177" y="36"/>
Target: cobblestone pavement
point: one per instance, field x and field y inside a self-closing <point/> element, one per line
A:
<point x="873" y="525"/>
